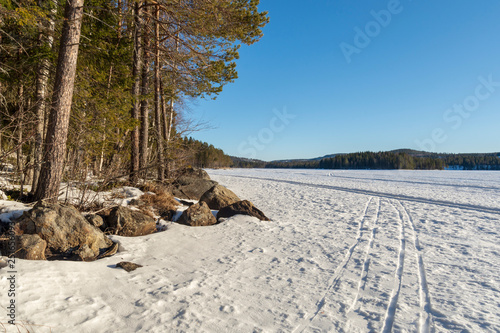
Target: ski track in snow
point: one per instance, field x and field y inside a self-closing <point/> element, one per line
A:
<point x="366" y="261"/>
<point x="391" y="309"/>
<point x="425" y="323"/>
<point x="335" y="279"/>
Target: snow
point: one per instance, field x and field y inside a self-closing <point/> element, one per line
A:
<point x="346" y="251"/>
<point x="11" y="210"/>
<point x="76" y="195"/>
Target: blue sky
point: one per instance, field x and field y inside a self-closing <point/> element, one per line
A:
<point x="346" y="76"/>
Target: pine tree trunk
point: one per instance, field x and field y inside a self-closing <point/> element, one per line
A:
<point x="158" y="120"/>
<point x="136" y="70"/>
<point x="57" y="131"/>
<point x="144" y="134"/>
<point x="41" y="92"/>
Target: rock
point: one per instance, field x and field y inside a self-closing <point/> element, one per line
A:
<point x="123" y="221"/>
<point x="128" y="266"/>
<point x="65" y="230"/>
<point x="30" y="247"/>
<point x="219" y="197"/>
<point x="191" y="172"/>
<point x="85" y="253"/>
<point x="109" y="252"/>
<point x="96" y="220"/>
<point x="244" y="207"/>
<point x="197" y="215"/>
<point x="191" y="188"/>
<point x="192" y="183"/>
<point x="3" y="196"/>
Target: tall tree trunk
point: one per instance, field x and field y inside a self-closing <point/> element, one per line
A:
<point x="19" y="127"/>
<point x="163" y="112"/>
<point x="170" y="120"/>
<point x="136" y="70"/>
<point x="19" y="151"/>
<point x="158" y="120"/>
<point x="42" y="80"/>
<point x="57" y="131"/>
<point x="144" y="134"/>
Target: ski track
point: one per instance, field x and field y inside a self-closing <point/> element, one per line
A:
<point x="367" y="260"/>
<point x="391" y="309"/>
<point x="476" y="208"/>
<point x="335" y="279"/>
<point x="425" y="322"/>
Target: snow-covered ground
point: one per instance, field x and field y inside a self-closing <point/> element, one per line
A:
<point x="346" y="251"/>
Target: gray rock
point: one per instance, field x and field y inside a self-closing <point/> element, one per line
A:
<point x="191" y="188"/>
<point x="192" y="183"/>
<point x="219" y="197"/>
<point x="65" y="230"/>
<point x="123" y="221"/>
<point x="197" y="215"/>
<point x="243" y="207"/>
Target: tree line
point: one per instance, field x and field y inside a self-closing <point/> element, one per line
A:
<point x="99" y="86"/>
<point x="402" y="159"/>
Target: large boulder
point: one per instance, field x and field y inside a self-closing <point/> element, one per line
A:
<point x="243" y="207"/>
<point x="219" y="197"/>
<point x="192" y="183"/>
<point x="197" y="215"/>
<point x="123" y="221"/>
<point x="191" y="172"/>
<point x="30" y="247"/>
<point x="191" y="188"/>
<point x="65" y="230"/>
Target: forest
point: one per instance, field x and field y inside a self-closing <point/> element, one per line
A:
<point x="100" y="88"/>
<point x="397" y="159"/>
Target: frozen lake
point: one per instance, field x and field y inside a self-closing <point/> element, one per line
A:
<point x="346" y="251"/>
<point x="375" y="250"/>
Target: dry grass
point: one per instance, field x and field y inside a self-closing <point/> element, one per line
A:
<point x="161" y="202"/>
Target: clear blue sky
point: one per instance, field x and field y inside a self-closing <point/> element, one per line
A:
<point x="422" y="75"/>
